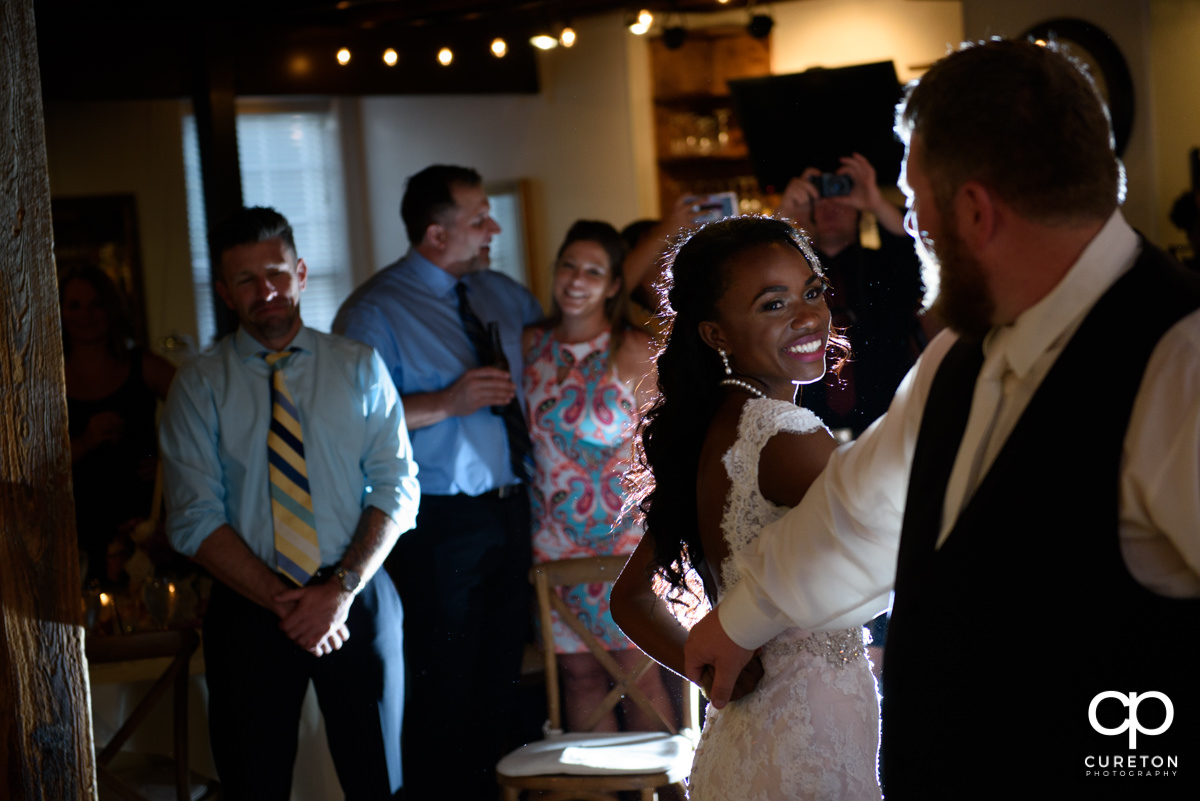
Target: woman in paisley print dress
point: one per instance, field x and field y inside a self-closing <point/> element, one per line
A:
<point x="583" y="369"/>
<point x="725" y="450"/>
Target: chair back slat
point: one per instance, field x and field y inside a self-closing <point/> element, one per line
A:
<point x="547" y="578"/>
<point x="542" y="590"/>
<point x="588" y="570"/>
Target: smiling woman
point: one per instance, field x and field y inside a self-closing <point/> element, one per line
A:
<point x="584" y="370"/>
<point x="725" y="451"/>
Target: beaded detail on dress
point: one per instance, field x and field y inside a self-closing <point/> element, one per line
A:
<point x="838" y="648"/>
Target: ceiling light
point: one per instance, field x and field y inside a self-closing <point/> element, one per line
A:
<point x="642" y="24"/>
<point x="567" y="37"/>
<point x="343" y="56"/>
<point x="390" y="57"/>
<point x="445" y="56"/>
<point x="544" y="41"/>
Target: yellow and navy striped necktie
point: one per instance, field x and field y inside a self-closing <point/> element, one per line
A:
<point x="297" y="553"/>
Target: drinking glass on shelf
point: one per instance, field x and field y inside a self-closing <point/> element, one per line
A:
<point x="159" y="597"/>
<point x="126" y="608"/>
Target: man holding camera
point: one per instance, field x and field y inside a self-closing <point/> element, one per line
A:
<point x="875" y="294"/>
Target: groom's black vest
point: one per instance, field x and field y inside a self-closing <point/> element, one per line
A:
<point x="1001" y="639"/>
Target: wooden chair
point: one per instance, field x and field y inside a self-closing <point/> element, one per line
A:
<point x="587" y="766"/>
<point x="179" y="645"/>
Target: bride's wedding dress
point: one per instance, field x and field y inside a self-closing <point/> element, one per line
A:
<point x="810" y="730"/>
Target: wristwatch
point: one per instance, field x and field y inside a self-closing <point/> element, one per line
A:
<point x="348" y="580"/>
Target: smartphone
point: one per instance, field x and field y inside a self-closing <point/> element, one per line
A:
<point x="716" y="206"/>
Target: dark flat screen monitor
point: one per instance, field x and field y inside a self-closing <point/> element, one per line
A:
<point x="813" y="118"/>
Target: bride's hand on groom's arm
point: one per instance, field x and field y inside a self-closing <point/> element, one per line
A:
<point x="710" y="650"/>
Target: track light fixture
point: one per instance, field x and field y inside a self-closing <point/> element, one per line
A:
<point x="674" y="36"/>
<point x="760" y="26"/>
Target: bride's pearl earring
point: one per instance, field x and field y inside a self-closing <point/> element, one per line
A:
<point x="725" y="361"/>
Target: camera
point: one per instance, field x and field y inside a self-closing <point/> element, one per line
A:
<point x="830" y="184"/>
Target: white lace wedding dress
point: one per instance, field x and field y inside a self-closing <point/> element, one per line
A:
<point x="810" y="730"/>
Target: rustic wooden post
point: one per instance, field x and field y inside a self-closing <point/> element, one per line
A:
<point x="214" y="102"/>
<point x="45" y="721"/>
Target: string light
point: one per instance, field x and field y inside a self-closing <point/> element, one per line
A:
<point x="644" y="20"/>
<point x="343" y="56"/>
<point x="544" y="41"/>
<point x="567" y="37"/>
<point x="445" y="56"/>
<point x="390" y="57"/>
<point x="499" y="47"/>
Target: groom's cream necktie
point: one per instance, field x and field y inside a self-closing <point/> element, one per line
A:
<point x="987" y="403"/>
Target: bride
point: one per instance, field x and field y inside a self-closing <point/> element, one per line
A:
<point x="723" y="451"/>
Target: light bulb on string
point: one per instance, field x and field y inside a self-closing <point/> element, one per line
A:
<point x="567" y="37"/>
<point x="343" y="56"/>
<point x="390" y="57"/>
<point x="499" y="47"/>
<point x="544" y="41"/>
<point x="445" y="56"/>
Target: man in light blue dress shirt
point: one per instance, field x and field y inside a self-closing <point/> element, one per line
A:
<point x="462" y="572"/>
<point x="265" y="637"/>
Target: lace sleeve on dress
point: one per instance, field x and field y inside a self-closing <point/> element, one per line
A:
<point x="746" y="510"/>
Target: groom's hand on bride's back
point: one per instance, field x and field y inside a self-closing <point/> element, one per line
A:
<point x="710" y="651"/>
<point x="747" y="680"/>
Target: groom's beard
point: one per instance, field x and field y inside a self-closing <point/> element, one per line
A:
<point x="963" y="300"/>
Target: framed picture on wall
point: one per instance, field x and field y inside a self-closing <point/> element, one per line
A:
<point x="102" y="231"/>
<point x="510" y="248"/>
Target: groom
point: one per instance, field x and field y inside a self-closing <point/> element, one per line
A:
<point x="1033" y="493"/>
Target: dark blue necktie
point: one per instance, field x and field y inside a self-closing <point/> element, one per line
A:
<point x="520" y="451"/>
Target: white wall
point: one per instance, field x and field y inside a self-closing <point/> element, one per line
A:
<point x="1128" y="23"/>
<point x="573" y="141"/>
<point x="839" y="33"/>
<point x="133" y="147"/>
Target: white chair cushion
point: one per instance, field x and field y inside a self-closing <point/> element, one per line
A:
<point x="602" y="754"/>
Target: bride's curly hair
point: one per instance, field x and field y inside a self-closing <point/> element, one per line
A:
<point x="673" y="427"/>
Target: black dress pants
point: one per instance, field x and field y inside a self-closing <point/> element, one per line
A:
<point x="463" y="576"/>
<point x="257" y="679"/>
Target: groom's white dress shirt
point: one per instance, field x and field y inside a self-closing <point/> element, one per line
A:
<point x="831" y="561"/>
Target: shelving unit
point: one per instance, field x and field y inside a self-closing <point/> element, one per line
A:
<point x="699" y="144"/>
